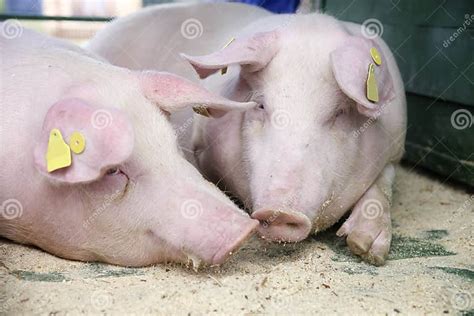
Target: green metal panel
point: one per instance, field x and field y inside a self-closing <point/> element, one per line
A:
<point x="433" y="41"/>
<point x="440" y="136"/>
<point x="439" y="13"/>
<point x="56" y="18"/>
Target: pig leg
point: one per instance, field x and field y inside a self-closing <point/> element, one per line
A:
<point x="369" y="228"/>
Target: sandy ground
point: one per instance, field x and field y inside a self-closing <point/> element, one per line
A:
<point x="430" y="271"/>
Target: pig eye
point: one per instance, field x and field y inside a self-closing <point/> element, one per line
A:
<point x="261" y="107"/>
<point x="113" y="171"/>
<point x="334" y="118"/>
<point x="339" y="112"/>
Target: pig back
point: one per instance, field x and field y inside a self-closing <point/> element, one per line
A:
<point x="153" y="37"/>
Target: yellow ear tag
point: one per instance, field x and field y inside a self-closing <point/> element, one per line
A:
<point x="201" y="110"/>
<point x="224" y="70"/>
<point x="372" y="90"/>
<point x="77" y="142"/>
<point x="59" y="153"/>
<point x="376" y="56"/>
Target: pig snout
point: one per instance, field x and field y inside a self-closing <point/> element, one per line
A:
<point x="229" y="242"/>
<point x="280" y="225"/>
<point x="204" y="226"/>
<point x="279" y="201"/>
<point x="220" y="234"/>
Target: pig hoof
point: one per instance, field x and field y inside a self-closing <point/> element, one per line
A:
<point x="372" y="251"/>
<point x="369" y="239"/>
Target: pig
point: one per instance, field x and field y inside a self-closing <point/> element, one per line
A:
<point x="91" y="169"/>
<point x="316" y="147"/>
<point x="131" y="42"/>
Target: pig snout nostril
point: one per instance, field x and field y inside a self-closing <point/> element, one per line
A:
<point x="287" y="226"/>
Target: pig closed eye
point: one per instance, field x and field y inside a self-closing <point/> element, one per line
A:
<point x="257" y="114"/>
<point x="337" y="114"/>
<point x="334" y="117"/>
<point x="116" y="179"/>
<point x="113" y="171"/>
<point x="113" y="184"/>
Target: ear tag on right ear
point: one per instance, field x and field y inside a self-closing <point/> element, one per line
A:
<point x="58" y="155"/>
<point x="224" y="70"/>
<point x="372" y="90"/>
<point x="201" y="110"/>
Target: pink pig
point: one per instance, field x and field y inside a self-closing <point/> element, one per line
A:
<point x="316" y="147"/>
<point x="129" y="197"/>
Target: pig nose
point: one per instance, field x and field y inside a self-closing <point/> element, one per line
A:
<point x="278" y="225"/>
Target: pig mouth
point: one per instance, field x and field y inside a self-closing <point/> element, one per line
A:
<point x="216" y="249"/>
<point x="231" y="248"/>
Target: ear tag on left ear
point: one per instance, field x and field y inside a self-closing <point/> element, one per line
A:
<point x="201" y="110"/>
<point x="372" y="90"/>
<point x="77" y="142"/>
<point x="224" y="70"/>
<point x="59" y="154"/>
<point x="376" y="56"/>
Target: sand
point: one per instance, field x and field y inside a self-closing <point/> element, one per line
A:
<point x="430" y="271"/>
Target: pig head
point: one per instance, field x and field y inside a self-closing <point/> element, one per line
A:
<point x="302" y="158"/>
<point x="122" y="192"/>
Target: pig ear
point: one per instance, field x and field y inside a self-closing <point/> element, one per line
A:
<point x="350" y="66"/>
<point x="253" y="53"/>
<point x="107" y="141"/>
<point x="172" y="93"/>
